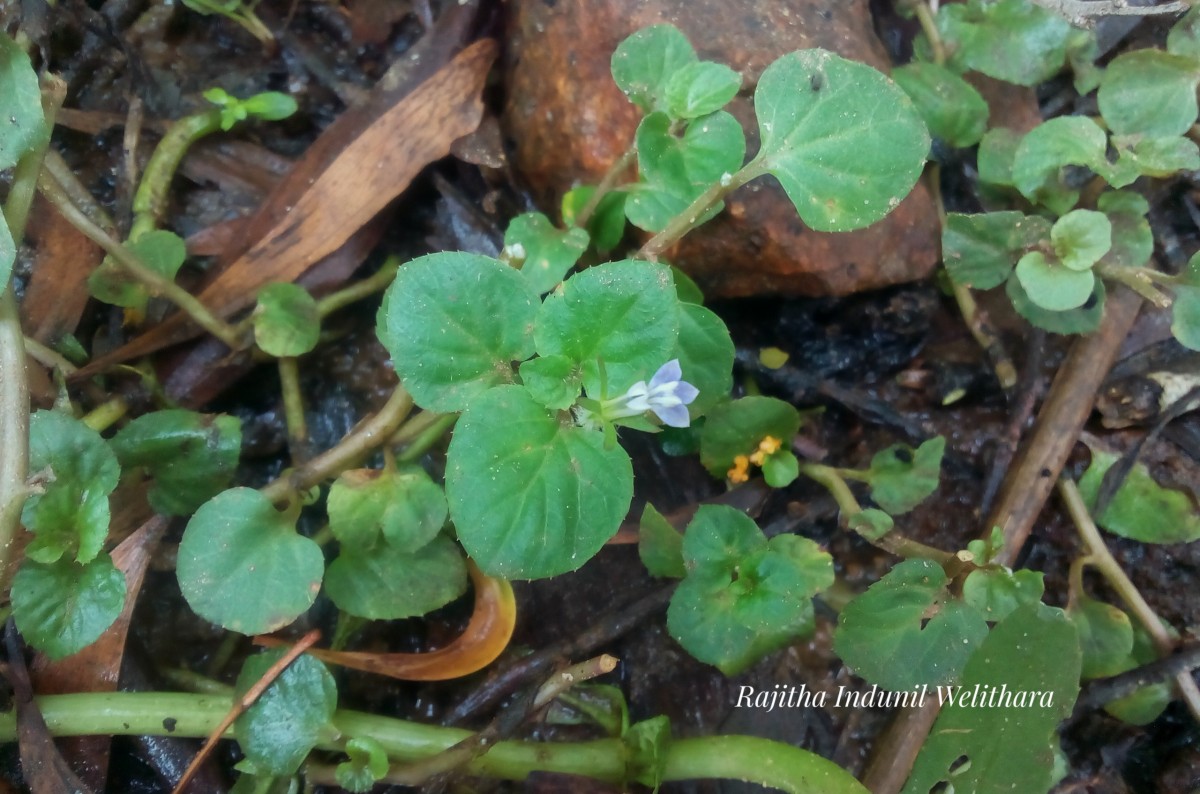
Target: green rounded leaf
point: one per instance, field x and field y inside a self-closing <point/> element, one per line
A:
<point x="676" y="169"/>
<point x="644" y="62"/>
<point x="705" y="352"/>
<point x="981" y="745"/>
<point x="24" y="125"/>
<point x="624" y="314"/>
<point x="366" y="765"/>
<point x="242" y="566"/>
<point x="405" y="508"/>
<point x="888" y="637"/>
<point x="77" y="472"/>
<point x="997" y="151"/>
<point x="1047" y="149"/>
<point x="63" y="607"/>
<point x="1080" y="238"/>
<point x="871" y="523"/>
<point x="1156" y="157"/>
<point x="1105" y="637"/>
<point x="554" y="381"/>
<point x="979" y="251"/>
<point x="287" y="721"/>
<point x="1011" y="40"/>
<point x="1052" y="286"/>
<point x="1132" y="242"/>
<point x="950" y="106"/>
<point x="901" y="477"/>
<point x="997" y="592"/>
<point x="543" y="252"/>
<point x="1184" y="37"/>
<point x="699" y="89"/>
<point x="454" y="323"/>
<point x="607" y="224"/>
<point x="286" y="322"/>
<point x="386" y="583"/>
<point x="1185" y="317"/>
<point x="531" y="494"/>
<point x="270" y="105"/>
<point x="660" y="546"/>
<point x="845" y="142"/>
<point x="160" y="251"/>
<point x="189" y="456"/>
<point x="736" y="428"/>
<point x="743" y="597"/>
<point x="1083" y="320"/>
<point x="1141" y="509"/>
<point x="1149" y="92"/>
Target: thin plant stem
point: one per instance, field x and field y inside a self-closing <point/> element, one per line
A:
<point x="14" y="384"/>
<point x="751" y="759"/>
<point x="432" y="432"/>
<point x="925" y="16"/>
<point x="892" y="542"/>
<point x="359" y="290"/>
<point x="150" y="200"/>
<point x="1111" y="570"/>
<point x="293" y="409"/>
<point x="48" y="357"/>
<point x="622" y="164"/>
<point x="693" y="216"/>
<point x="106" y="414"/>
<point x="52" y="189"/>
<point x="1138" y="280"/>
<point x="358" y="443"/>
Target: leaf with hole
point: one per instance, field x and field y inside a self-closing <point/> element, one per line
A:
<point x="1032" y="658"/>
<point x="1141" y="509"/>
<point x="1083" y="320"/>
<point x="846" y="143"/>
<point x="454" y="323"/>
<point x="907" y="630"/>
<point x="901" y="477"/>
<point x="242" y="565"/>
<point x="190" y="457"/>
<point x="532" y="496"/>
<point x="291" y="717"/>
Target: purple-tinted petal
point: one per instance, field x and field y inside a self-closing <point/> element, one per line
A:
<point x="666" y="373"/>
<point x="673" y="416"/>
<point x="686" y="392"/>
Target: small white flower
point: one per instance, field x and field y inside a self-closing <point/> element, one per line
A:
<point x="667" y="395"/>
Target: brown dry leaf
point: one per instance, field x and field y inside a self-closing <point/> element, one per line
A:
<point x="348" y="175"/>
<point x="57" y="291"/>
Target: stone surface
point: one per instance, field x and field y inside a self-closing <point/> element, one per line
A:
<point x="567" y="122"/>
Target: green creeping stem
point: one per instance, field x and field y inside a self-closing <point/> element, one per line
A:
<point x="150" y="201"/>
<point x="753" y="760"/>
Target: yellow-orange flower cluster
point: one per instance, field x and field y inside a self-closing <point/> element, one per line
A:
<point x="740" y="471"/>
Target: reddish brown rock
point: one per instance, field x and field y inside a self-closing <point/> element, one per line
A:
<point x="568" y="122"/>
